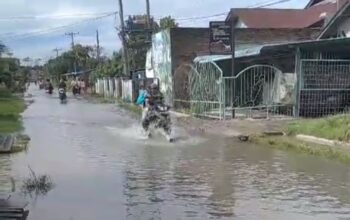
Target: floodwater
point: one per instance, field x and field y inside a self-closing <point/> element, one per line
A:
<point x="102" y="169"/>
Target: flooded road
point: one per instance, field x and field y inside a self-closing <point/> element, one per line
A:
<point x="103" y="170"/>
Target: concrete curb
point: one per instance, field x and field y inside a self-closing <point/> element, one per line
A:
<point x="321" y="141"/>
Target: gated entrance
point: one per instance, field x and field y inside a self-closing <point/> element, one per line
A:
<point x="259" y="91"/>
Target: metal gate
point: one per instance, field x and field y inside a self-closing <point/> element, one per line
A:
<point x="259" y="91"/>
<point x="198" y="89"/>
<point x="324" y="87"/>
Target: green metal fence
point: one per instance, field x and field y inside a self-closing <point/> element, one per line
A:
<point x="324" y="87"/>
<point x="198" y="89"/>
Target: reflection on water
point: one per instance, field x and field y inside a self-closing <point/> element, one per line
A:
<point x="5" y="175"/>
<point x="103" y="172"/>
<point x="36" y="185"/>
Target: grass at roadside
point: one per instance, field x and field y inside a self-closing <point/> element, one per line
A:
<point x="10" y="109"/>
<point x="131" y="107"/>
<point x="333" y="127"/>
<point x="287" y="143"/>
<point x="136" y="110"/>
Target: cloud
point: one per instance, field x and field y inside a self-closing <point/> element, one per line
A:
<point x="47" y="34"/>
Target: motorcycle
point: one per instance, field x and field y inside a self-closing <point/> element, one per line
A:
<point x="41" y="85"/>
<point x="49" y="91"/>
<point x="159" y="119"/>
<point x="76" y="90"/>
<point x="62" y="95"/>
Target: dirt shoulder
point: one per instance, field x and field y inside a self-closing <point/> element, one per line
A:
<point x="282" y="134"/>
<point x="232" y="128"/>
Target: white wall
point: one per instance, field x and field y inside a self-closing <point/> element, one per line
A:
<point x="240" y="24"/>
<point x="344" y="26"/>
<point x="149" y="65"/>
<point x="127" y="90"/>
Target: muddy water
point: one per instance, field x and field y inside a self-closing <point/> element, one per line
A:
<point x="102" y="169"/>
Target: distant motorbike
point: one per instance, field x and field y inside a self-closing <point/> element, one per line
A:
<point x="49" y="90"/>
<point x="76" y="90"/>
<point x="159" y="117"/>
<point x="41" y="85"/>
<point x="62" y="95"/>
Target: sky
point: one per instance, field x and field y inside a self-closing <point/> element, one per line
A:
<point x="33" y="28"/>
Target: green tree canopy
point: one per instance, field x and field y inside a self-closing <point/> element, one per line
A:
<point x="167" y="22"/>
<point x="3" y="48"/>
<point x="83" y="55"/>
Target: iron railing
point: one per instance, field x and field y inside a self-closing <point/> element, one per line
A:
<point x="324" y="87"/>
<point x="256" y="92"/>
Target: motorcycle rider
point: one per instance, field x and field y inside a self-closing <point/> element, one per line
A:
<point x="62" y="85"/>
<point x="152" y="98"/>
<point x="75" y="86"/>
<point x="49" y="86"/>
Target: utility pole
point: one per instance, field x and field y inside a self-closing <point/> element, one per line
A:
<point x="57" y="50"/>
<point x="122" y="36"/>
<point x="98" y="47"/>
<point x="149" y="30"/>
<point x="72" y="34"/>
<point x="149" y="25"/>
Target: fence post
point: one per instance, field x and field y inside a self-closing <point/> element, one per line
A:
<point x="298" y="72"/>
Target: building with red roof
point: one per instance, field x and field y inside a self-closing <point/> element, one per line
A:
<point x="316" y="15"/>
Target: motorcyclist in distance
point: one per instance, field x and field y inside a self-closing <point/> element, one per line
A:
<point x="49" y="86"/>
<point x="62" y="85"/>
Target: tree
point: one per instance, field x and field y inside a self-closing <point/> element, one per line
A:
<point x="109" y="67"/>
<point x="27" y="61"/>
<point x="138" y="39"/>
<point x="83" y="55"/>
<point x="3" y="48"/>
<point x="167" y="22"/>
<point x="9" y="73"/>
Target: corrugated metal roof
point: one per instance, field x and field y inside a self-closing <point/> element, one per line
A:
<point x="257" y="50"/>
<point x="246" y="52"/>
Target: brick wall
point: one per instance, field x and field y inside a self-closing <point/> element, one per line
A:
<point x="267" y="36"/>
<point x="187" y="43"/>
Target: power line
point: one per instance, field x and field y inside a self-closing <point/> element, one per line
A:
<point x="201" y="17"/>
<point x="49" y="30"/>
<point x="63" y="16"/>
<point x="17" y="36"/>
<point x="273" y="3"/>
<point x="259" y="5"/>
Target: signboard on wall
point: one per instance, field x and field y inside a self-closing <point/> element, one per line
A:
<point x="220" y="37"/>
